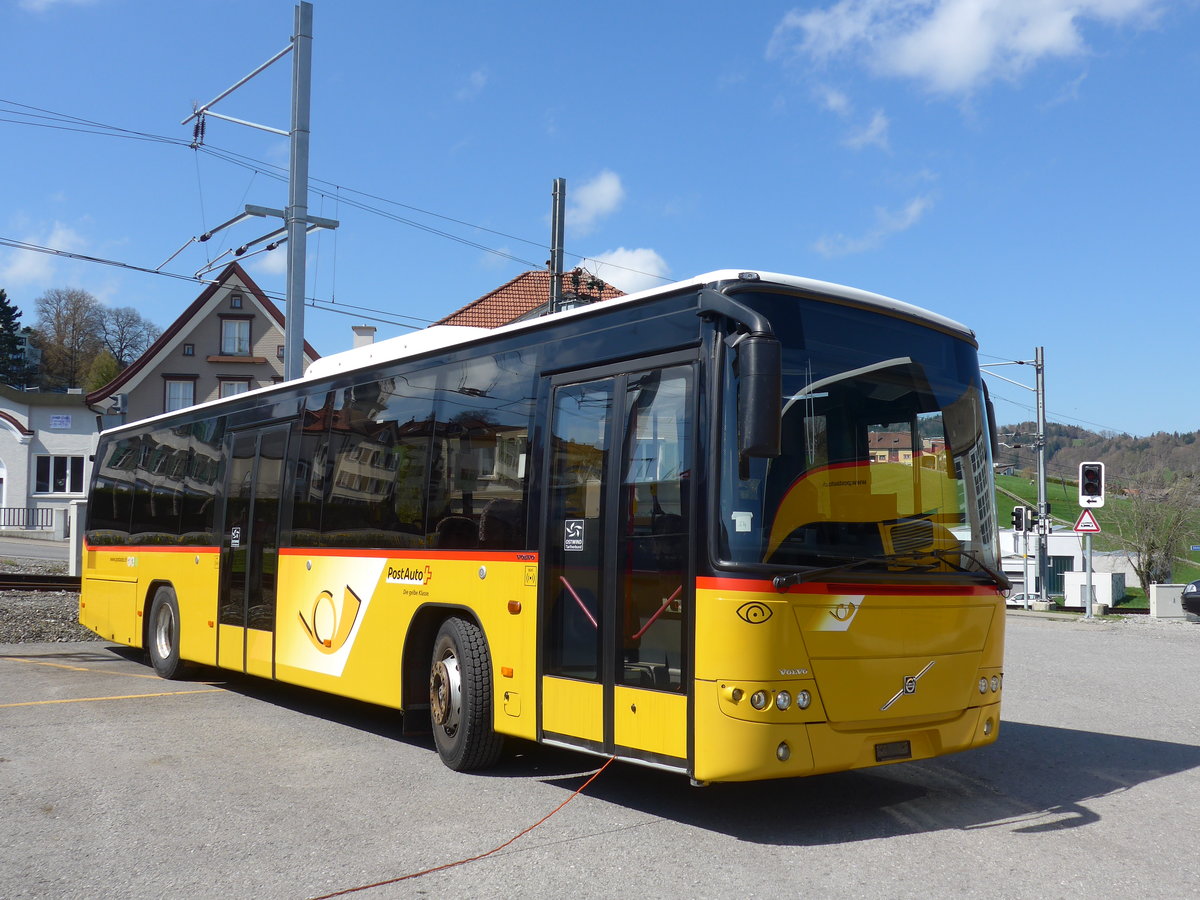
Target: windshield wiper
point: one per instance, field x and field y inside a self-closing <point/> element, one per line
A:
<point x="783" y="582"/>
<point x="911" y="560"/>
<point x="1001" y="580"/>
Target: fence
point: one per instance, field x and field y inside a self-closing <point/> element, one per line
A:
<point x="16" y="517"/>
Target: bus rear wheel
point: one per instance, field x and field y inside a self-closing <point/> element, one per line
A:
<point x="163" y="634"/>
<point x="460" y="697"/>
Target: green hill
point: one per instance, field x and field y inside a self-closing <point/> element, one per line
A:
<point x="1063" y="497"/>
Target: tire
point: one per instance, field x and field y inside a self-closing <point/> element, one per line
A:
<point x="162" y="635"/>
<point x="460" y="697"/>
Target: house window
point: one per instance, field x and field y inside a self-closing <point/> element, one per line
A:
<point x="180" y="394"/>
<point x="59" y="475"/>
<point x="228" y="387"/>
<point x="189" y="349"/>
<point x="235" y="337"/>
<point x="279" y="351"/>
<point x="235" y="301"/>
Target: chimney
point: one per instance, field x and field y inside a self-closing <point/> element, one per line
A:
<point x="363" y="335"/>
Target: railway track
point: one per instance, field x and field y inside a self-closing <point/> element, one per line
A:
<point x="11" y="581"/>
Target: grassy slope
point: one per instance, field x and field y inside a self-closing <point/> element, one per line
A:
<point x="1064" y="509"/>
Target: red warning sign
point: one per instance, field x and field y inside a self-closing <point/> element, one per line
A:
<point x="1086" y="523"/>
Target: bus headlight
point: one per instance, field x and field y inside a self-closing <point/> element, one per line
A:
<point x="760" y="699"/>
<point x="995" y="683"/>
<point x="983" y="684"/>
<point x="783" y="700"/>
<point x="803" y="700"/>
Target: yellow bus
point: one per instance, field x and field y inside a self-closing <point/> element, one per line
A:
<point x="739" y="527"/>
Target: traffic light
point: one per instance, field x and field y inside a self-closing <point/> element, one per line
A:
<point x="1031" y="517"/>
<point x="1091" y="484"/>
<point x="1018" y="518"/>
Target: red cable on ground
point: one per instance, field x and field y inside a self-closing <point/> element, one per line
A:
<point x="366" y="887"/>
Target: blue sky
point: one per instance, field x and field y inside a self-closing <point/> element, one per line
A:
<point x="1025" y="166"/>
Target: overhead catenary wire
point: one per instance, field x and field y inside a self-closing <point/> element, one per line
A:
<point x="67" y="122"/>
<point x="340" y="308"/>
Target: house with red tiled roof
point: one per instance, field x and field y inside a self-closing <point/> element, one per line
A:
<point x="527" y="296"/>
<point x="229" y="340"/>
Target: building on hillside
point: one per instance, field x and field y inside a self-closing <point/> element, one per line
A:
<point x="528" y="296"/>
<point x="229" y="340"/>
<point x="46" y="441"/>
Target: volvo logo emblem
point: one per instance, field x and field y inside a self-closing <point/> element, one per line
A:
<point x="910" y="686"/>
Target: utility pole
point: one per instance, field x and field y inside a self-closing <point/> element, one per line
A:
<point x="297" y="210"/>
<point x="1043" y="507"/>
<point x="557" y="222"/>
<point x="297" y="221"/>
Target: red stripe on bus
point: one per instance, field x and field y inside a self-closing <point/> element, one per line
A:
<point x="759" y="585"/>
<point x="407" y="553"/>
<point x="149" y="548"/>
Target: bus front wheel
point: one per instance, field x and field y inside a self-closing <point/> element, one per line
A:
<point x="163" y="643"/>
<point x="460" y="697"/>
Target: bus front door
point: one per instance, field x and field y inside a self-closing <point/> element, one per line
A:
<point x="250" y="550"/>
<point x="615" y="587"/>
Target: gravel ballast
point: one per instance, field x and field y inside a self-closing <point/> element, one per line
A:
<point x="39" y="616"/>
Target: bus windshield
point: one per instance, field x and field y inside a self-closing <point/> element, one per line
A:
<point x="885" y="452"/>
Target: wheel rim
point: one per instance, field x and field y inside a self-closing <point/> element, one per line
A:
<point x="164" y="631"/>
<point x="445" y="693"/>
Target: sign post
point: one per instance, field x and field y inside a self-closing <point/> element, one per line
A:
<point x="1087" y="525"/>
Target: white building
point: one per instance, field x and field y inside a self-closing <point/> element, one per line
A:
<point x="46" y="443"/>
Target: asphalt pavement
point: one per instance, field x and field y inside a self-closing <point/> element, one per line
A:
<point x="40" y="550"/>
<point x="115" y="783"/>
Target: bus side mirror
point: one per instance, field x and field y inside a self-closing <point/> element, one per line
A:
<point x="759" y="403"/>
<point x="993" y="435"/>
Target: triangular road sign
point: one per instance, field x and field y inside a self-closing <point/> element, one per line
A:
<point x="1086" y="523"/>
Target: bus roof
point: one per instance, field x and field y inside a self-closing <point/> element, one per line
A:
<point x="440" y="337"/>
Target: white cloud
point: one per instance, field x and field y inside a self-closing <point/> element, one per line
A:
<point x="873" y="134"/>
<point x="593" y="200"/>
<point x="273" y="262"/>
<point x="474" y="86"/>
<point x="951" y="46"/>
<point x="887" y="223"/>
<point x="30" y="268"/>
<point x="833" y="100"/>
<point x="630" y="270"/>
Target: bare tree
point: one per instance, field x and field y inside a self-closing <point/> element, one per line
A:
<point x="69" y="327"/>
<point x="126" y="334"/>
<point x="1161" y="522"/>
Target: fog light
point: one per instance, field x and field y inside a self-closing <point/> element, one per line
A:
<point x="988" y="727"/>
<point x="983" y="684"/>
<point x="783" y="752"/>
<point x="995" y="683"/>
<point x="783" y="700"/>
<point x="760" y="699"/>
<point x="803" y="699"/>
<point x="736" y="695"/>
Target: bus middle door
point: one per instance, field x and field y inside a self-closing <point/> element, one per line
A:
<point x="250" y="550"/>
<point x="617" y="550"/>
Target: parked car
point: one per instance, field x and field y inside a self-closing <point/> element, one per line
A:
<point x="1191" y="598"/>
<point x="1019" y="599"/>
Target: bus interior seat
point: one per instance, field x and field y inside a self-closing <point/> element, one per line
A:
<point x="501" y="525"/>
<point x="456" y="533"/>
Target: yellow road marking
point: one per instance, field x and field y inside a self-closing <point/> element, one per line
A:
<point x="53" y="665"/>
<point x="40" y="662"/>
<point x="123" y="697"/>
